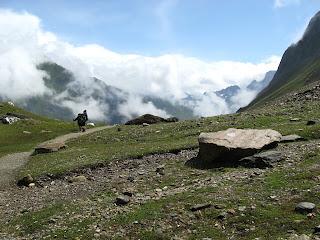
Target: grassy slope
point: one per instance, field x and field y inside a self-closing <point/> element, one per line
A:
<point x="136" y="141"/>
<point x="267" y="217"/>
<point x="12" y="138"/>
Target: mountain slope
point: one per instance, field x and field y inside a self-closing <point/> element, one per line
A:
<point x="66" y="93"/>
<point x="299" y="66"/>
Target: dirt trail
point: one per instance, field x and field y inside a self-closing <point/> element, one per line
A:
<point x="10" y="163"/>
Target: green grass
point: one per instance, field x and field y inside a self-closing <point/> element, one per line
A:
<point x="138" y="141"/>
<point x="269" y="217"/>
<point x="12" y="138"/>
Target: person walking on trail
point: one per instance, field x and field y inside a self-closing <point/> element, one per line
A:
<point x="81" y="119"/>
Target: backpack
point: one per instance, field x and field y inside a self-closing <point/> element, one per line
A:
<point x="82" y="119"/>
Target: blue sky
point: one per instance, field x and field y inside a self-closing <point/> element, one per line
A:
<point x="246" y="30"/>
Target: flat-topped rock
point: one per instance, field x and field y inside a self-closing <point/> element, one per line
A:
<point x="291" y="138"/>
<point x="226" y="148"/>
<point x="49" y="147"/>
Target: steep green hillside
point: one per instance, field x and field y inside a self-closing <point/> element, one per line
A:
<point x="13" y="139"/>
<point x="300" y="65"/>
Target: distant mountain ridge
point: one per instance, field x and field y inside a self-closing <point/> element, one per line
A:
<point x="65" y="88"/>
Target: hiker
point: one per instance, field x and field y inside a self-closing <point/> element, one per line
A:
<point x="82" y="118"/>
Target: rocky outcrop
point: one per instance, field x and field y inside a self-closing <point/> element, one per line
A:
<point x="150" y="119"/>
<point x="226" y="148"/>
<point x="262" y="160"/>
<point x="49" y="147"/>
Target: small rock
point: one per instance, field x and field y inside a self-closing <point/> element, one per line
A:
<point x="128" y="193"/>
<point x="317" y="229"/>
<point x="231" y="211"/>
<point x="198" y="207"/>
<point x="122" y="200"/>
<point x="299" y="237"/>
<point x="160" y="170"/>
<point x="26" y="132"/>
<point x="311" y="122"/>
<point x="31" y="185"/>
<point x="291" y="138"/>
<point x="80" y="178"/>
<point x="222" y="216"/>
<point x="25" y="181"/>
<point x="130" y="178"/>
<point x="45" y="131"/>
<point x="305" y="207"/>
<point x="242" y="208"/>
<point x="145" y="124"/>
<point x="295" y="119"/>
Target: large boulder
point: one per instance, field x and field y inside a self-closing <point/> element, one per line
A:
<point x="150" y="119"/>
<point x="226" y="148"/>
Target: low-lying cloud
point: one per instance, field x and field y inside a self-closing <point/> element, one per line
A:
<point x="24" y="44"/>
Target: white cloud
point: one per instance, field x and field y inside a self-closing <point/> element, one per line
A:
<point x="24" y="44"/>
<point x="285" y="3"/>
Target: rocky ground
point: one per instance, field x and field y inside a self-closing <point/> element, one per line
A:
<point x="91" y="194"/>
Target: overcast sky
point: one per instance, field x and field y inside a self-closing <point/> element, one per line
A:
<point x="212" y="30"/>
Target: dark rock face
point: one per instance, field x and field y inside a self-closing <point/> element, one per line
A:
<point x="295" y="59"/>
<point x="262" y="160"/>
<point x="150" y="119"/>
<point x="226" y="148"/>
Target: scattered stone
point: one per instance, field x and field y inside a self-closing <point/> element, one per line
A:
<point x="305" y="207"/>
<point x="291" y="138"/>
<point x="11" y="104"/>
<point x="226" y="148"/>
<point x="311" y="122"/>
<point x="295" y="119"/>
<point x="26" y="132"/>
<point x="31" y="185"/>
<point x="222" y="216"/>
<point x="80" y="178"/>
<point x="130" y="179"/>
<point x="145" y="124"/>
<point x="91" y="124"/>
<point x="127" y="193"/>
<point x="317" y="229"/>
<point x="219" y="206"/>
<point x="198" y="207"/>
<point x="45" y="131"/>
<point x="242" y="208"/>
<point x="262" y="160"/>
<point x="9" y="119"/>
<point x="25" y="181"/>
<point x="311" y="215"/>
<point x="231" y="211"/>
<point x="49" y="147"/>
<point x="122" y="200"/>
<point x="160" y="169"/>
<point x="299" y="237"/>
